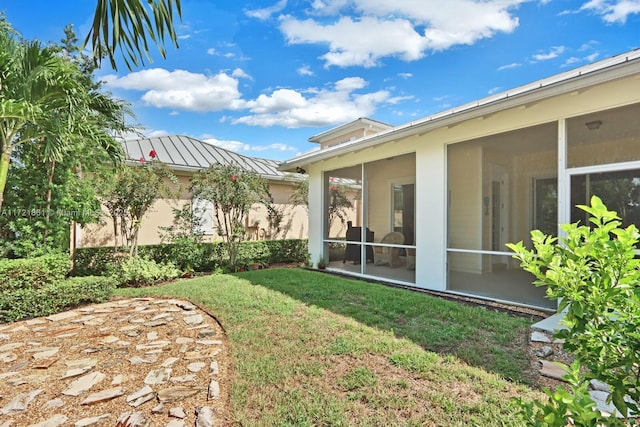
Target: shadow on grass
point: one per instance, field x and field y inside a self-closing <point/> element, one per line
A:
<point x="491" y="340"/>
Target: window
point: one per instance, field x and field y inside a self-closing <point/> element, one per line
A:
<point x="203" y="213"/>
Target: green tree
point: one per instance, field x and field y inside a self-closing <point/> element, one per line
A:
<point x="129" y="25"/>
<point x="595" y="274"/>
<point x="55" y="160"/>
<point x="130" y="194"/>
<point x="232" y="191"/>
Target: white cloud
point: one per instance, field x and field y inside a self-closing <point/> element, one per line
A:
<point x="612" y="11"/>
<point x="320" y="107"/>
<point x="494" y="90"/>
<point x="405" y="75"/>
<point x="403" y="29"/>
<point x="182" y="89"/>
<point x="554" y="52"/>
<point x="211" y="51"/>
<point x="267" y="12"/>
<point x="509" y="66"/>
<point x="239" y="147"/>
<point x="241" y="74"/>
<point x="305" y="71"/>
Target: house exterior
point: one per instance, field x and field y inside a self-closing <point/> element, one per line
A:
<point x="186" y="155"/>
<point x="458" y="185"/>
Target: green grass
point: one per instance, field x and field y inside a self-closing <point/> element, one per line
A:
<point x="315" y="349"/>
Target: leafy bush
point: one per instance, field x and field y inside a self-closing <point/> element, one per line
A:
<point x="197" y="257"/>
<point x="24" y="273"/>
<point x="595" y="274"/>
<point x="137" y="271"/>
<point x="22" y="303"/>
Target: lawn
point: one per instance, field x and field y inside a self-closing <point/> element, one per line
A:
<point x="315" y="349"/>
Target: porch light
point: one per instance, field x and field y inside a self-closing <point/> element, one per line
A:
<point x="594" y="124"/>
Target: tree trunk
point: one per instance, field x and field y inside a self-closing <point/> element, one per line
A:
<point x="5" y="160"/>
<point x="52" y="168"/>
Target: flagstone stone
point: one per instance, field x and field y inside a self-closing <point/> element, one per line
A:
<point x="132" y="419"/>
<point x="137" y="360"/>
<point x="158" y="409"/>
<point x="183" y="379"/>
<point x="169" y="362"/>
<point x="175" y="423"/>
<point x="156" y="323"/>
<point x="46" y="354"/>
<point x="54" y="403"/>
<point x="33" y="322"/>
<point x="83" y="383"/>
<point x="214" y="390"/>
<point x="153" y="345"/>
<point x="103" y="395"/>
<point x="8" y="357"/>
<point x="44" y="363"/>
<point x="110" y="339"/>
<point x="20" y="402"/>
<point x="177" y="412"/>
<point x="158" y="376"/>
<point x="11" y="346"/>
<point x="55" y="421"/>
<point x="204" y="416"/>
<point x="62" y="316"/>
<point x="152" y="335"/>
<point x="209" y="342"/>
<point x="175" y="394"/>
<point x="184" y="340"/>
<point x="213" y="368"/>
<point x="91" y="420"/>
<point x="141" y="396"/>
<point x="194" y="320"/>
<point x="552" y="370"/>
<point x="195" y="366"/>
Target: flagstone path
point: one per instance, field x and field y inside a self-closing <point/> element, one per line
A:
<point x="126" y="363"/>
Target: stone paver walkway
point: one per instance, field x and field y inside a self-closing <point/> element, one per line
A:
<point x="126" y="363"/>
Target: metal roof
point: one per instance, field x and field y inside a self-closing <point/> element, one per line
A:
<point x="185" y="153"/>
<point x="545" y="87"/>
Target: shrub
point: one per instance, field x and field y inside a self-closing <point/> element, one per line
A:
<point x="137" y="271"/>
<point x="595" y="274"/>
<point x="36" y="272"/>
<point x="201" y="257"/>
<point x="22" y="303"/>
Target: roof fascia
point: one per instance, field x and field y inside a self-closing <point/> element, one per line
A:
<point x="471" y="111"/>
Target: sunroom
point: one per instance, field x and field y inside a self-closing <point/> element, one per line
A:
<point x="435" y="201"/>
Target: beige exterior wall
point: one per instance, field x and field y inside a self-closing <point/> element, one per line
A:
<point x="294" y="225"/>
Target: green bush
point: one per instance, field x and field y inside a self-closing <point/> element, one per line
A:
<point x="595" y="274"/>
<point x="16" y="304"/>
<point x="36" y="272"/>
<point x="199" y="257"/>
<point x="137" y="271"/>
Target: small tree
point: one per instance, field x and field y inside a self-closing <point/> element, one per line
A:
<point x="232" y="191"/>
<point x="595" y="274"/>
<point x="134" y="191"/>
<point x="339" y="202"/>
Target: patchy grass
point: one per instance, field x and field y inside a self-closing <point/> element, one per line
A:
<point x="312" y="349"/>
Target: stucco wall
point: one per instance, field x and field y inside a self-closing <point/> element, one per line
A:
<point x="160" y="214"/>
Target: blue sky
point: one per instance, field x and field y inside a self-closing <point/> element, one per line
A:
<point x="261" y="77"/>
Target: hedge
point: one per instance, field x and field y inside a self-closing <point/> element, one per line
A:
<point x="35" y="273"/>
<point x="201" y="257"/>
<point x="24" y="303"/>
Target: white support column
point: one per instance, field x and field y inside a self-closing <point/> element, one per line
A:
<point x="564" y="180"/>
<point x="316" y="214"/>
<point x="431" y="221"/>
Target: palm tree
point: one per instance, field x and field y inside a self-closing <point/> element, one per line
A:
<point x="128" y="24"/>
<point x="34" y="83"/>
